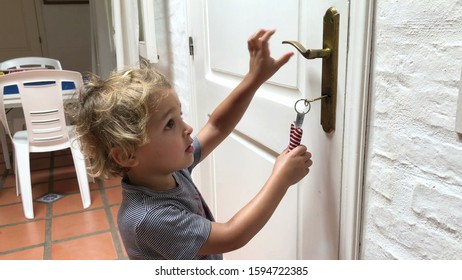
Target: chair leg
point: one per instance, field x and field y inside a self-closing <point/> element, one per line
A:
<point x="23" y="173"/>
<point x="6" y="153"/>
<point x="81" y="170"/>
<point x="15" y="163"/>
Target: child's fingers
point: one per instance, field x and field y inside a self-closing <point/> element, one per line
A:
<point x="259" y="40"/>
<point x="284" y="59"/>
<point x="267" y="35"/>
<point x="258" y="34"/>
<point x="253" y="41"/>
<point x="250" y="46"/>
<point x="309" y="162"/>
<point x="299" y="150"/>
<point x="264" y="39"/>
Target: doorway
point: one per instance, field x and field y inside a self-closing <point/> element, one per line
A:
<point x="320" y="217"/>
<point x="59" y="31"/>
<point x="21" y="37"/>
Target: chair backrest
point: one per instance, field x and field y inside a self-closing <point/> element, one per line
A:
<point x="30" y="62"/>
<point x="42" y="102"/>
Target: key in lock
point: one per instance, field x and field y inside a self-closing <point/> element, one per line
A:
<point x="302" y="107"/>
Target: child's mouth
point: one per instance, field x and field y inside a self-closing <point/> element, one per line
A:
<point x="189" y="149"/>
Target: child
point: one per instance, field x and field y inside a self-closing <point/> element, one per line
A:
<point x="131" y="125"/>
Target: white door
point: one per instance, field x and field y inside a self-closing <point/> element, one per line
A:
<point x="19" y="34"/>
<point x="306" y="224"/>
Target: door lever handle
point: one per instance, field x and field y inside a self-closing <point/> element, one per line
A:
<point x="309" y="53"/>
<point x="329" y="55"/>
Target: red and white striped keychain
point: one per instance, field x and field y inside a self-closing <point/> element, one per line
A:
<point x="296" y="131"/>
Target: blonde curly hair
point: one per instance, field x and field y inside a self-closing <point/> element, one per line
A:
<point x="114" y="113"/>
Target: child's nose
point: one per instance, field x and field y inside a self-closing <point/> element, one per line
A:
<point x="188" y="129"/>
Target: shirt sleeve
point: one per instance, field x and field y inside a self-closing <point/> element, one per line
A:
<point x="197" y="153"/>
<point x="172" y="232"/>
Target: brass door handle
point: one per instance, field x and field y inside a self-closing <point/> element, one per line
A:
<point x="329" y="56"/>
<point x="310" y="53"/>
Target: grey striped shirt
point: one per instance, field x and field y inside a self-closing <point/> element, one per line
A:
<point x="171" y="224"/>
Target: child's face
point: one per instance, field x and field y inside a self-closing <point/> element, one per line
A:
<point x="170" y="147"/>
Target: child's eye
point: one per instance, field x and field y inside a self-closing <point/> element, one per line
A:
<point x="170" y="124"/>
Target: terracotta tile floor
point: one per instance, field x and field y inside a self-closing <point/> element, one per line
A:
<point x="61" y="230"/>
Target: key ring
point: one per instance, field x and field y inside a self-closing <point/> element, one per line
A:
<point x="307" y="105"/>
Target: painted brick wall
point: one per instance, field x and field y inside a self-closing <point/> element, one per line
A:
<point x="413" y="190"/>
<point x="413" y="184"/>
<point x="173" y="48"/>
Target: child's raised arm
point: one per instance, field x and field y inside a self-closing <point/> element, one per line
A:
<point x="290" y="167"/>
<point x="229" y="112"/>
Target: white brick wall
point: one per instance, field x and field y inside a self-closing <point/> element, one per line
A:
<point x="173" y="48"/>
<point x="413" y="191"/>
<point x="413" y="185"/>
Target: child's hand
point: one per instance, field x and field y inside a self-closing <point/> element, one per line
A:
<point x="291" y="167"/>
<point x="262" y="65"/>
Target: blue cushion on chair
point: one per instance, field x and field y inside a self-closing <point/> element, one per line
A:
<point x="13" y="89"/>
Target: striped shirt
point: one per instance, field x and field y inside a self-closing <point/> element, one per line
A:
<point x="171" y="224"/>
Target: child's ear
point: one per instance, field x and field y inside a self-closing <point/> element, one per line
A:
<point x="119" y="156"/>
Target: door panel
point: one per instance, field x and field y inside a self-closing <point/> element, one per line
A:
<point x="237" y="18"/>
<point x="20" y="35"/>
<point x="306" y="224"/>
<point x="238" y="182"/>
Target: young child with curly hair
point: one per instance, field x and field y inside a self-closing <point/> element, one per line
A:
<point x="131" y="125"/>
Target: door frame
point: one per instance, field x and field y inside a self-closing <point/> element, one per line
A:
<point x="41" y="27"/>
<point x="355" y="135"/>
<point x="361" y="15"/>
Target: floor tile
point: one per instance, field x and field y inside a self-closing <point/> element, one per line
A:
<point x="10" y="181"/>
<point x="39" y="190"/>
<point x="63" y="160"/>
<point x="114" y="195"/>
<point x="68" y="231"/>
<point x="29" y="254"/>
<point x="8" y="195"/>
<point x="39" y="176"/>
<point x="114" y="211"/>
<point x="22" y="235"/>
<point x="66" y="186"/>
<point x="78" y="224"/>
<point x="94" y="185"/>
<point x="12" y="214"/>
<point x="40" y="164"/>
<point x="34" y="156"/>
<point x="122" y="244"/>
<point x="95" y="247"/>
<point x="73" y="203"/>
<point x="64" y="172"/>
<point x="111" y="182"/>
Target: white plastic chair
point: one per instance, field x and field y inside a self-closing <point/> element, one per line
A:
<point x="5" y="151"/>
<point x="29" y="62"/>
<point x="42" y="102"/>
